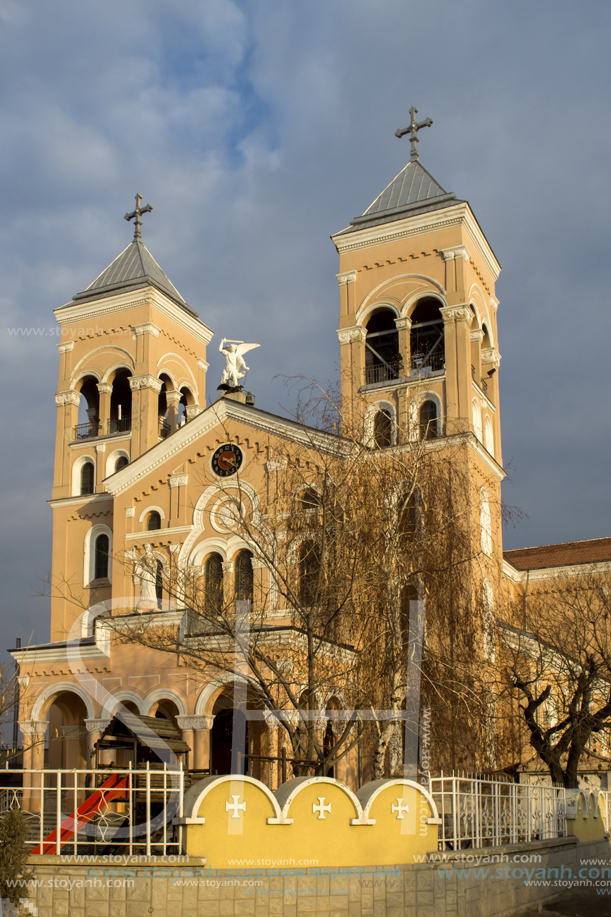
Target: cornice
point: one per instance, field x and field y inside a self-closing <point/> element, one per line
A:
<point x="107" y="438"/>
<point x="81" y="500"/>
<point x="74" y="312"/>
<point x="151" y="536"/>
<point x="60" y="653"/>
<point x="459" y="213"/>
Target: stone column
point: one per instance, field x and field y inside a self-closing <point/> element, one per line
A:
<point x="105" y="390"/>
<point x="67" y="418"/>
<point x="404" y="327"/>
<point x="178" y="499"/>
<point x="100" y="465"/>
<point x="352" y="362"/>
<point x="95" y="728"/>
<point x="273" y="770"/>
<point x="145" y="412"/>
<point x="196" y="733"/>
<point x="173" y="401"/>
<point x="457" y="320"/>
<point x="65" y="360"/>
<point x="33" y="732"/>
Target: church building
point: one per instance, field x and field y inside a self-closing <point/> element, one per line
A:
<point x="146" y="455"/>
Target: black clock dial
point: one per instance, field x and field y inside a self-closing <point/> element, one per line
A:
<point x="226" y="460"/>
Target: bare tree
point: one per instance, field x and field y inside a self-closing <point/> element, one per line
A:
<point x="559" y="669"/>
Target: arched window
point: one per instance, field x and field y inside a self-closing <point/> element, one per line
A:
<point x="153" y="522"/>
<point x="428" y="420"/>
<point x="122" y="461"/>
<point x="159" y="583"/>
<point x="382" y="429"/>
<point x="309" y="498"/>
<point x="244" y="577"/>
<point x="477" y="419"/>
<point x="485" y="522"/>
<point x="87" y="478"/>
<point x="309" y="570"/>
<point x="489" y="645"/>
<point x="382" y="357"/>
<point x="213" y="574"/>
<point x="488" y="435"/>
<point x="408" y="520"/>
<point x="101" y="548"/>
<point x="426" y="338"/>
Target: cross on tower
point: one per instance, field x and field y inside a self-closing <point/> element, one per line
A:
<point x="136" y="214"/>
<point x="399" y="808"/>
<point x="321" y="808"/>
<point x="412" y="130"/>
<point x="236" y="806"/>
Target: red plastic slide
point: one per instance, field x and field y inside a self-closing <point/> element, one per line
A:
<point x="112" y="788"/>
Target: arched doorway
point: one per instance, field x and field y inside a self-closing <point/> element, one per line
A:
<point x="67" y="734"/>
<point x="228" y="736"/>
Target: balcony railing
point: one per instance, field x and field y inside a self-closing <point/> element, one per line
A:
<point x="419" y="365"/>
<point x="120" y="425"/>
<point x="86" y="430"/>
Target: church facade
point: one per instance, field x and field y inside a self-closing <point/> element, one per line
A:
<point x="143" y="476"/>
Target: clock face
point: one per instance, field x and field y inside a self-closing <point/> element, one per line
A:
<point x="226" y="460"/>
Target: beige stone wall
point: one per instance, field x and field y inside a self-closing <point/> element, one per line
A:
<point x="418" y="890"/>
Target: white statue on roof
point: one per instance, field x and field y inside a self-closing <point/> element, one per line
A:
<point x="235" y="367"/>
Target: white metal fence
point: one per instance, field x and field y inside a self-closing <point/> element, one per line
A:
<point x="97" y="812"/>
<point x="480" y="812"/>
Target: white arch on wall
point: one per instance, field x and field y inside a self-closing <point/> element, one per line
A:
<point x="151" y="509"/>
<point x="89" y="553"/>
<point x="121" y="697"/>
<point x="369" y="422"/>
<point x="75" y="490"/>
<point x="485" y="520"/>
<point x="83" y="375"/>
<point x="364" y="308"/>
<point x="174" y="356"/>
<point x="489" y="435"/>
<point x="163" y="694"/>
<point x="112" y="459"/>
<point x="206" y="694"/>
<point x="49" y="693"/>
<point x="415" y="298"/>
<point x="476" y="412"/>
<point x="201" y="551"/>
<point x="109" y="348"/>
<point x="364" y="315"/>
<point x="414" y="413"/>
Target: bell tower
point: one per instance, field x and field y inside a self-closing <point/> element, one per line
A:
<point x="418" y="328"/>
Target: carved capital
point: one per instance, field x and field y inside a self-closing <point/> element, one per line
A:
<point x="459" y="251"/>
<point x="193" y="410"/>
<point x="179" y="480"/>
<point x="203" y="721"/>
<point x="147" y="328"/>
<point x="258" y="564"/>
<point x="130" y="511"/>
<point x="24" y="681"/>
<point x="70" y="397"/>
<point x="34" y="728"/>
<point x="491" y="355"/>
<point x="66" y="348"/>
<point x="201" y="364"/>
<point x="173" y="397"/>
<point x="477" y="335"/>
<point x="403" y="324"/>
<point x="145" y="381"/>
<point x="98" y="725"/>
<point x="494" y="302"/>
<point x="460" y="313"/>
<point x="228" y="567"/>
<point x="174" y="548"/>
<point x="347" y="277"/>
<point x="276" y="464"/>
<point x="353" y="335"/>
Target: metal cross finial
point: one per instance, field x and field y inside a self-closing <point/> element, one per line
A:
<point x="136" y="214"/>
<point x="412" y="130"/>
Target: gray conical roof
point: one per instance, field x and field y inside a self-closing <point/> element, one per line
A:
<point x="135" y="267"/>
<point x="413" y="190"/>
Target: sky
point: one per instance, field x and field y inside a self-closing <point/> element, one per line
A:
<point x="256" y="128"/>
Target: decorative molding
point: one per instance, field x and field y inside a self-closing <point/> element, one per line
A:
<point x="403" y="323"/>
<point x="34" y="728"/>
<point x="98" y="725"/>
<point x="477" y="335"/>
<point x="460" y="313"/>
<point x="69" y="397"/>
<point x="276" y="464"/>
<point x="179" y="480"/>
<point x="491" y="355"/>
<point x="356" y="334"/>
<point x="201" y="364"/>
<point x="456" y="253"/>
<point x="145" y="381"/>
<point x="494" y="302"/>
<point x="130" y="511"/>
<point x="203" y="721"/>
<point x="347" y="277"/>
<point x="173" y="530"/>
<point x="100" y="447"/>
<point x="66" y="348"/>
<point x="146" y="328"/>
<point x="104" y="388"/>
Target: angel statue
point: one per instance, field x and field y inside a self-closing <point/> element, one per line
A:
<point x="235" y="367"/>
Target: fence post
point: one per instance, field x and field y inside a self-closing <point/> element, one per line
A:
<point x="148" y="810"/>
